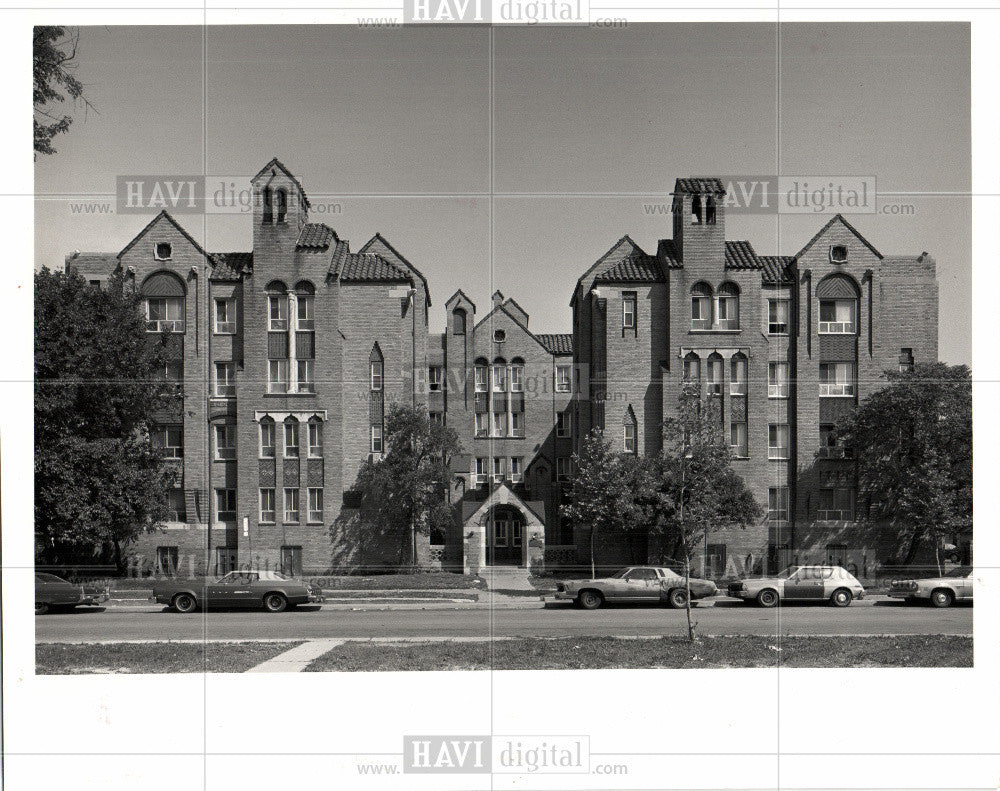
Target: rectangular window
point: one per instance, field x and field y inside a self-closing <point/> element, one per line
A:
<point x="727" y="315"/>
<point x="692" y="370"/>
<point x="315" y="439"/>
<point x="905" y="360"/>
<point x="225" y="504"/>
<point x="836" y="504"/>
<point x="225" y="380"/>
<point x="837" y="316"/>
<point x="225" y="316"/>
<point x="715" y="376"/>
<point x="701" y="313"/>
<point x="305" y="372"/>
<point x="291" y="505"/>
<point x="777" y="316"/>
<point x="165" y="314"/>
<point x="173" y="371"/>
<point x="516" y="469"/>
<point x="176" y="506"/>
<point x="517" y="378"/>
<point x="829" y="446"/>
<point x="225" y="441"/>
<point x="498" y="466"/>
<point x="738" y="440"/>
<point x="267" y="439"/>
<point x="563" y="468"/>
<point x="436" y="417"/>
<point x="629" y="442"/>
<point x="291" y="561"/>
<point x="435" y="378"/>
<point x="777" y="380"/>
<point x="277" y="376"/>
<point x="738" y="376"/>
<point x="315" y="505"/>
<point x="481" y="470"/>
<point x="162" y="251"/>
<point x="836" y="379"/>
<point x="482" y="424"/>
<point x="267" y="512"/>
<point x="499" y="378"/>
<point x="304" y="312"/>
<point x="376" y="375"/>
<point x="168" y="440"/>
<point x="499" y="424"/>
<point x="291" y="439"/>
<point x="564" y="375"/>
<point x="777" y="503"/>
<point x="166" y="560"/>
<point x="564" y="424"/>
<point x="517" y="424"/>
<point x="277" y="313"/>
<point x="481" y="377"/>
<point x="376" y="435"/>
<point x="777" y="441"/>
<point x="628" y="310"/>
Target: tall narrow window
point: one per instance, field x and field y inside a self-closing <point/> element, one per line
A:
<point x="481" y="470"/>
<point x="564" y="424"/>
<point x="225" y="316"/>
<point x="710" y="210"/>
<point x="517" y="375"/>
<point x="435" y="377"/>
<point x="267" y="512"/>
<point x="267" y="438"/>
<point x="304" y="305"/>
<point x="482" y="375"/>
<point x="315" y="439"/>
<point x="715" y="375"/>
<point x="727" y="310"/>
<point x="628" y="311"/>
<point x="277" y="312"/>
<point x="482" y="424"/>
<point x="777" y="316"/>
<point x="291" y="439"/>
<point x="701" y="306"/>
<point x="906" y="361"/>
<point x="696" y="210"/>
<point x="563" y="378"/>
<point x="692" y="369"/>
<point x="267" y="207"/>
<point x="629" y="430"/>
<point x="305" y="370"/>
<point x="738" y="440"/>
<point x="777" y="503"/>
<point x="458" y="321"/>
<point x="516" y="469"/>
<point x="498" y="467"/>
<point x="316" y="505"/>
<point x="277" y="376"/>
<point x="225" y="380"/>
<point x="738" y="375"/>
<point x="499" y="376"/>
<point x="225" y="441"/>
<point x="375" y="369"/>
<point x="281" y="207"/>
<point x="777" y="441"/>
<point x="376" y="437"/>
<point x="517" y="424"/>
<point x="777" y="380"/>
<point x="291" y="505"/>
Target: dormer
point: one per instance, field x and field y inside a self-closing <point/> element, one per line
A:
<point x="280" y="208"/>
<point x="699" y="218"/>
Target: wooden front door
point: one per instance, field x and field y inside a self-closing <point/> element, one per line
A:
<point x="504" y="538"/>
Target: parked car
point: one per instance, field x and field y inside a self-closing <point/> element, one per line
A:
<point x="954" y="586"/>
<point x="271" y="590"/>
<point x="801" y="583"/>
<point x="52" y="592"/>
<point x="634" y="584"/>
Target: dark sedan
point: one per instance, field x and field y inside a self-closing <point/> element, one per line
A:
<point x="271" y="590"/>
<point x="52" y="592"/>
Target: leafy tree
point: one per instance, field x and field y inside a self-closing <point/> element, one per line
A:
<point x="98" y="480"/>
<point x="913" y="445"/>
<point x="54" y="52"/>
<point x="697" y="490"/>
<point x="610" y="491"/>
<point x="404" y="492"/>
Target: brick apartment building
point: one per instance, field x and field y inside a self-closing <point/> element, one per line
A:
<point x="285" y="359"/>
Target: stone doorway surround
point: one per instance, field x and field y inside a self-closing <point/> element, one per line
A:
<point x="476" y="525"/>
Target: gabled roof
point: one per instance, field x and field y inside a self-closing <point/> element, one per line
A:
<point x="741" y="255"/>
<point x="275" y="163"/>
<point x="315" y="236"/>
<point x="620" y="250"/>
<point x="698" y="185"/>
<point x="163" y="214"/>
<point x="102" y="264"/>
<point x="559" y="344"/>
<point x="371" y="268"/>
<point x="846" y="224"/>
<point x="503" y="309"/>
<point x="231" y="266"/>
<point x="669" y="255"/>
<point x="390" y="253"/>
<point x="464" y="296"/>
<point x="638" y="268"/>
<point x="777" y="269"/>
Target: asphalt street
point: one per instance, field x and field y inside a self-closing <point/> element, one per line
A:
<point x="153" y="623"/>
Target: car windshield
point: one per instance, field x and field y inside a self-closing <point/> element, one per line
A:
<point x="784" y="575"/>
<point x="48" y="578"/>
<point x="621" y="573"/>
<point x="961" y="571"/>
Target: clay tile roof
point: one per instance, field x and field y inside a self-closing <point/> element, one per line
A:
<point x="557" y="343"/>
<point x="231" y="266"/>
<point x="91" y="265"/>
<point x="316" y="236"/>
<point x="669" y="255"/>
<point x="369" y="267"/>
<point x="699" y="185"/>
<point x="777" y="269"/>
<point x="340" y="252"/>
<point x="637" y="268"/>
<point x="740" y="255"/>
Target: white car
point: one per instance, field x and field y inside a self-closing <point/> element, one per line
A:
<point x="954" y="586"/>
<point x="801" y="583"/>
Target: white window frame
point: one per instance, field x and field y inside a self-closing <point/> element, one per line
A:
<point x="278" y="376"/>
<point x="482" y="424"/>
<point x="740" y="450"/>
<point x="313" y="514"/>
<point x="564" y="469"/>
<point x="739" y="371"/>
<point x="482" y="376"/>
<point x="224" y="387"/>
<point x="376" y="375"/>
<point x="722" y="305"/>
<point x="775" y="448"/>
<point x="564" y="378"/>
<point x="267" y="515"/>
<point x="703" y="319"/>
<point x="156" y="251"/>
<point x="315" y="432"/>
<point x="779" y="496"/>
<point x="630" y="444"/>
<point x="498" y="468"/>
<point x="838" y="326"/>
<point x="516" y="469"/>
<point x="290" y="431"/>
<point x="166" y="324"/>
<point x="777" y="386"/>
<point x="225" y="441"/>
<point x="498" y="424"/>
<point x="516" y="424"/>
<point x="224" y="494"/>
<point x="377" y="440"/>
<point x="290" y="497"/>
<point x="227" y="326"/>
<point x="304" y="376"/>
<point x="838" y="387"/>
<point x="482" y="470"/>
<point x="713" y="386"/>
<point x="630" y="299"/>
<point x="836" y="514"/>
<point x="279" y="322"/>
<point x="774" y="325"/>
<point x="305" y="306"/>
<point x="566" y="429"/>
<point x="499" y="374"/>
<point x="516" y="378"/>
<point x="261" y="447"/>
<point x="435" y="378"/>
<point x="167" y="450"/>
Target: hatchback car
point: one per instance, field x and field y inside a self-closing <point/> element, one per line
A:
<point x="635" y="584"/>
<point x="801" y="583"/>
<point x="52" y="592"/>
<point x="954" y="586"/>
<point x="271" y="590"/>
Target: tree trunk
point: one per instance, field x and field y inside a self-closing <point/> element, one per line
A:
<point x="119" y="565"/>
<point x="593" y="567"/>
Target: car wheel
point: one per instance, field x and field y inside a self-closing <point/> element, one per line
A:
<point x="275" y="602"/>
<point x="184" y="602"/>
<point x="677" y="598"/>
<point x="942" y="598"/>
<point x="41" y="608"/>
<point x="590" y="600"/>
<point x="841" y="597"/>
<point x="768" y="598"/>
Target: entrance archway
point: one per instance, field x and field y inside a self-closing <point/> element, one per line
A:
<point x="504" y="536"/>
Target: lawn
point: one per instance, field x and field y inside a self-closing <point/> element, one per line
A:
<point x="664" y="652"/>
<point x="73" y="658"/>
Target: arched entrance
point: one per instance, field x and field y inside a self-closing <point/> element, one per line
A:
<point x="504" y="536"/>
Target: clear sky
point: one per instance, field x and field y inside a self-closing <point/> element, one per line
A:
<point x="395" y="127"/>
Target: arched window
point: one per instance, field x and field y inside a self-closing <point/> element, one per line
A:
<point x="838" y="305"/>
<point x="727" y="307"/>
<point x="281" y="207"/>
<point x="714" y="374"/>
<point x="277" y="306"/>
<point x="696" y="210"/>
<point x="499" y="375"/>
<point x="517" y="375"/>
<point x="267" y="208"/>
<point x="701" y="306"/>
<point x="315" y="438"/>
<point x="376" y="368"/>
<point x="738" y="374"/>
<point x="482" y="375"/>
<point x="304" y="298"/>
<point x="458" y="321"/>
<point x="267" y="438"/>
<point x="630" y="425"/>
<point x="710" y="210"/>
<point x="692" y="369"/>
<point x="291" y="438"/>
<point x="163" y="295"/>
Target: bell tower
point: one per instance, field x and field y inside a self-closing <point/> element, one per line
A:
<point x="699" y="215"/>
<point x="280" y="209"/>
